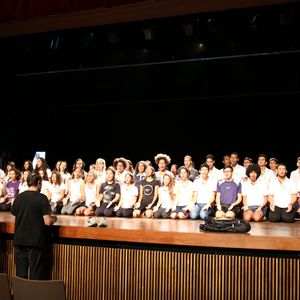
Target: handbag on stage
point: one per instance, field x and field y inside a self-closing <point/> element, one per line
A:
<point x="218" y="225"/>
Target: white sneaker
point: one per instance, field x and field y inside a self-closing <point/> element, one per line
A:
<point x="102" y="222"/>
<point x="92" y="222"/>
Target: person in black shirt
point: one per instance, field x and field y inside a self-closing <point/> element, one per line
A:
<point x="32" y="212"/>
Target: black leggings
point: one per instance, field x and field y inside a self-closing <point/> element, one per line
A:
<point x="124" y="212"/>
<point x="280" y="214"/>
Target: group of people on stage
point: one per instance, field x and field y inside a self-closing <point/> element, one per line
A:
<point x="252" y="191"/>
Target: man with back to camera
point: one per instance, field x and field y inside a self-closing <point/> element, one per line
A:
<point x="33" y="214"/>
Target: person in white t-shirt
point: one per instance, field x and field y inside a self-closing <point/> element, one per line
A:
<point x="75" y="193"/>
<point x="226" y="162"/>
<point x="266" y="175"/>
<point x="295" y="177"/>
<point x="45" y="189"/>
<point x="205" y="189"/>
<point x="100" y="170"/>
<point x="184" y="190"/>
<point x="238" y="170"/>
<point x="24" y="185"/>
<point x="129" y="194"/>
<point x="282" y="197"/>
<point x="162" y="160"/>
<point x="120" y="164"/>
<point x="2" y="175"/>
<point x="213" y="172"/>
<point x="41" y="164"/>
<point x="57" y="191"/>
<point x="91" y="190"/>
<point x="247" y="162"/>
<point x="165" y="198"/>
<point x="63" y="170"/>
<point x="273" y="163"/>
<point x="188" y="163"/>
<point x="255" y="195"/>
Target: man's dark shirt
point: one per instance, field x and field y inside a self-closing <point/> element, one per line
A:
<point x="29" y="208"/>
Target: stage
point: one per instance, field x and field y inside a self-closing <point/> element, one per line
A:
<point x="263" y="236"/>
<point x="168" y="259"/>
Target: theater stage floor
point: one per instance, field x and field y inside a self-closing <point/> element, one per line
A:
<point x="262" y="236"/>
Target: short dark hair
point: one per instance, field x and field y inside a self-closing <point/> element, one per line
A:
<point x="211" y="156"/>
<point x="184" y="168"/>
<point x="34" y="179"/>
<point x="228" y="167"/>
<point x="263" y="155"/>
<point x="204" y="165"/>
<point x="248" y="158"/>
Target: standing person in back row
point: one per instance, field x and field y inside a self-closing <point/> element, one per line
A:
<point x="32" y="211"/>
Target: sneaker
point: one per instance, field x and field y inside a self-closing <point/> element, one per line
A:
<point x="92" y="222"/>
<point x="102" y="222"/>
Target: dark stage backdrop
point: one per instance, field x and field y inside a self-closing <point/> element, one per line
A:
<point x="141" y="99"/>
<point x="186" y="108"/>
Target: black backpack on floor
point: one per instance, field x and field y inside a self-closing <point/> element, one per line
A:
<point x="216" y="225"/>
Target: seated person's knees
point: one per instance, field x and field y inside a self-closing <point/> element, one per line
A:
<point x="229" y="214"/>
<point x="220" y="214"/>
<point x="173" y="216"/>
<point x="149" y="213"/>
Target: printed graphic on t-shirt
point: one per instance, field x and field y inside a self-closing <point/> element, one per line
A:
<point x="148" y="189"/>
<point x="10" y="192"/>
<point x="109" y="192"/>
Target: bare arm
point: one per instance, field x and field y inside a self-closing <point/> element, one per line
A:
<point x="3" y="193"/>
<point x="264" y="203"/>
<point x="65" y="200"/>
<point x="141" y="193"/>
<point x="218" y="201"/>
<point x="176" y="200"/>
<point x="195" y="197"/>
<point x="92" y="203"/>
<point x="245" y="203"/>
<point x="115" y="200"/>
<point x="158" y="204"/>
<point x="119" y="204"/>
<point x="271" y="201"/>
<point x="49" y="220"/>
<point x="99" y="199"/>
<point x="154" y="197"/>
<point x="82" y="194"/>
<point x="293" y="201"/>
<point x="61" y="195"/>
<point x="236" y="202"/>
<point x="210" y="201"/>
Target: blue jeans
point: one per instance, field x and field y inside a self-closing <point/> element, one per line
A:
<point x="198" y="212"/>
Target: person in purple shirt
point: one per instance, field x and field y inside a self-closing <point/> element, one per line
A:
<point x="11" y="190"/>
<point x="229" y="196"/>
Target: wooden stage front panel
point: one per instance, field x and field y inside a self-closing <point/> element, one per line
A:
<point x="144" y="261"/>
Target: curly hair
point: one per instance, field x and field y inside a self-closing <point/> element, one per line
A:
<point x="163" y="156"/>
<point x="120" y="159"/>
<point x="253" y="168"/>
